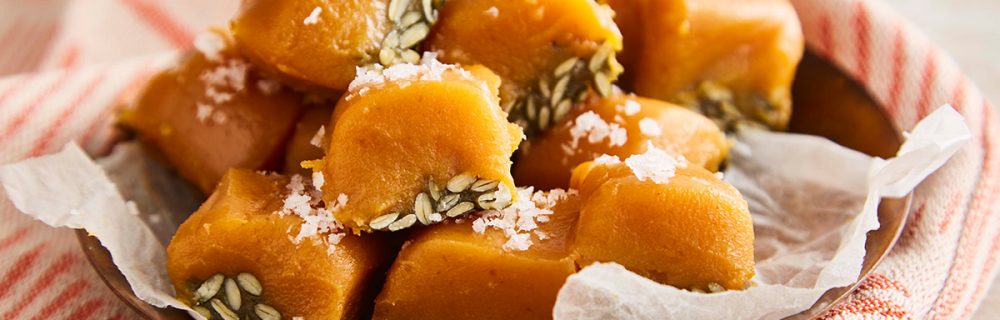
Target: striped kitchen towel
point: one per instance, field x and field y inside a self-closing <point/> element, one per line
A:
<point x="67" y="63"/>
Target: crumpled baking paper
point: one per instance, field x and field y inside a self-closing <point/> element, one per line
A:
<point x="812" y="201"/>
<point x="68" y="189"/>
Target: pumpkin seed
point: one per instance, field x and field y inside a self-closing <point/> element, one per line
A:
<point x="266" y="312"/>
<point x="460" y="182"/>
<point x="544" y="88"/>
<point x="531" y="110"/>
<point x="460" y="209"/>
<point x="223" y="311"/>
<point x="486" y="200"/>
<point x="411" y="56"/>
<point x="249" y="283"/>
<point x="406" y="222"/>
<point x="503" y="199"/>
<point x="448" y="202"/>
<point x="386" y="56"/>
<point x="559" y="91"/>
<point x="600" y="58"/>
<point x="409" y="19"/>
<point x="565" y="67"/>
<point x="429" y="13"/>
<point x="233" y="298"/>
<point x="434" y="190"/>
<point x="413" y="35"/>
<point x="602" y="84"/>
<point x="391" y="40"/>
<point x="397" y="8"/>
<point x="382" y="222"/>
<point x="204" y="312"/>
<point x="423" y="208"/>
<point x="484" y="185"/>
<point x="209" y="288"/>
<point x="543" y="118"/>
<point x="562" y="109"/>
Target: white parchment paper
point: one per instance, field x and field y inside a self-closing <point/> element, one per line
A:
<point x="812" y="203"/>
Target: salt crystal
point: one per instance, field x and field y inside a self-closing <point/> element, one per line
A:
<point x="219" y="117"/>
<point x="605" y="159"/>
<point x="650" y="127"/>
<point x="518" y="221"/>
<point x="618" y="136"/>
<point x="632" y="107"/>
<point x="591" y="126"/>
<point x="303" y="201"/>
<point x="317" y="179"/>
<point x="268" y="86"/>
<point x="720" y="175"/>
<point x="317" y="139"/>
<point x="493" y="12"/>
<point x="313" y="17"/>
<point x="518" y="242"/>
<point x="210" y="44"/>
<point x="429" y="69"/>
<point x="542" y="235"/>
<point x="203" y="112"/>
<point x="655" y="164"/>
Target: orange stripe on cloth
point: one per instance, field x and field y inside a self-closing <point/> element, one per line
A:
<point x="158" y="18"/>
<point x="20" y="268"/>
<point x="19" y="120"/>
<point x="53" y="129"/>
<point x="68" y="294"/>
<point x="960" y="276"/>
<point x="899" y="57"/>
<point x="62" y="264"/>
<point x="86" y="310"/>
<point x="862" y="36"/>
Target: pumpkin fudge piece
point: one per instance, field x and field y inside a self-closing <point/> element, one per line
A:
<point x="620" y="125"/>
<point x="319" y="43"/>
<point x="673" y="223"/>
<point x="212" y="112"/>
<point x="415" y="144"/>
<point x="485" y="268"/>
<point x="306" y="143"/>
<point x="548" y="52"/>
<point x="733" y="60"/>
<point x="247" y="253"/>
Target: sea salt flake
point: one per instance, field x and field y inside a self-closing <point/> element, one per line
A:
<point x="650" y="127"/>
<point x="429" y="69"/>
<point x="493" y="12"/>
<point x="219" y="117"/>
<point x="605" y="159"/>
<point x="591" y="126"/>
<point x="268" y="86"/>
<point x="303" y="200"/>
<point x="522" y="218"/>
<point x="518" y="242"/>
<point x="313" y="17"/>
<point x="632" y="107"/>
<point x="210" y="44"/>
<point x="317" y="139"/>
<point x="318" y="180"/>
<point x="655" y="165"/>
<point x="204" y="112"/>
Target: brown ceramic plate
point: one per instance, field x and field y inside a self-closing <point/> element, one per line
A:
<point x="827" y="104"/>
